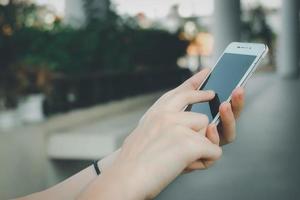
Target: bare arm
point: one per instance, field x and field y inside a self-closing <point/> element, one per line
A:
<point x="73" y="186"/>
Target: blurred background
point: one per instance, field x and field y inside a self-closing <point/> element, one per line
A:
<point x="76" y="75"/>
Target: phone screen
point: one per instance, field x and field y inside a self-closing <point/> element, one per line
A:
<point x="228" y="72"/>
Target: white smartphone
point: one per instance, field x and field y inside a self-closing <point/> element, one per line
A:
<point x="233" y="69"/>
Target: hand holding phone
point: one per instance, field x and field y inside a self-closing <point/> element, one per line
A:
<point x="233" y="69"/>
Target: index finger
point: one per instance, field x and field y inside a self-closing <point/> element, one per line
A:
<point x="195" y="81"/>
<point x="238" y="101"/>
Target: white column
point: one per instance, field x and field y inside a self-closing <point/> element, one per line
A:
<point x="288" y="49"/>
<point x="227" y="24"/>
<point x="74" y="13"/>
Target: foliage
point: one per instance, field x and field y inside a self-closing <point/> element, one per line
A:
<point x="32" y="50"/>
<point x="101" y="46"/>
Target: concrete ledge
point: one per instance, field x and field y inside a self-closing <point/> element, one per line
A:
<point x="77" y="146"/>
<point x="97" y="131"/>
<point x="81" y="117"/>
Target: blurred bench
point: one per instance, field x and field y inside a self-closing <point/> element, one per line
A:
<point x="93" y="138"/>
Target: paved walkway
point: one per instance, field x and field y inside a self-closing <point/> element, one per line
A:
<point x="264" y="162"/>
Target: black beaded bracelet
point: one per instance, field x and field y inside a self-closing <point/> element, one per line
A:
<point x="95" y="163"/>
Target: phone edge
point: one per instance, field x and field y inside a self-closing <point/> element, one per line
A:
<point x="242" y="83"/>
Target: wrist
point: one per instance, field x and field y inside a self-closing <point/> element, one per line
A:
<point x="105" y="163"/>
<point x="124" y="181"/>
<point x="118" y="181"/>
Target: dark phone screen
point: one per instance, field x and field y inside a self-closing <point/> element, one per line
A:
<point x="223" y="80"/>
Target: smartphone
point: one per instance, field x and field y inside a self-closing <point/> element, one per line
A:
<point x="233" y="69"/>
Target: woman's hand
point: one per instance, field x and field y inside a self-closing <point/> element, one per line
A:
<point x="229" y="113"/>
<point x="165" y="142"/>
<point x="223" y="134"/>
<point x="226" y="131"/>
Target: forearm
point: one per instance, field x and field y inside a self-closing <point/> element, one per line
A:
<point x="118" y="183"/>
<point x="68" y="189"/>
<point x="73" y="186"/>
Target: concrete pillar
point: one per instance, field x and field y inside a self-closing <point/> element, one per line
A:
<point x="227" y="24"/>
<point x="288" y="48"/>
<point x="75" y="11"/>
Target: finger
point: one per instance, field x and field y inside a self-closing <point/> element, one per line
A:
<point x="195" y="81"/>
<point x="205" y="149"/>
<point x="192" y="83"/>
<point x="208" y="163"/>
<point x="180" y="100"/>
<point x="228" y="123"/>
<point x="196" y="166"/>
<point x="194" y="146"/>
<point x="199" y="165"/>
<point x="212" y="134"/>
<point x="194" y="121"/>
<point x="238" y="101"/>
